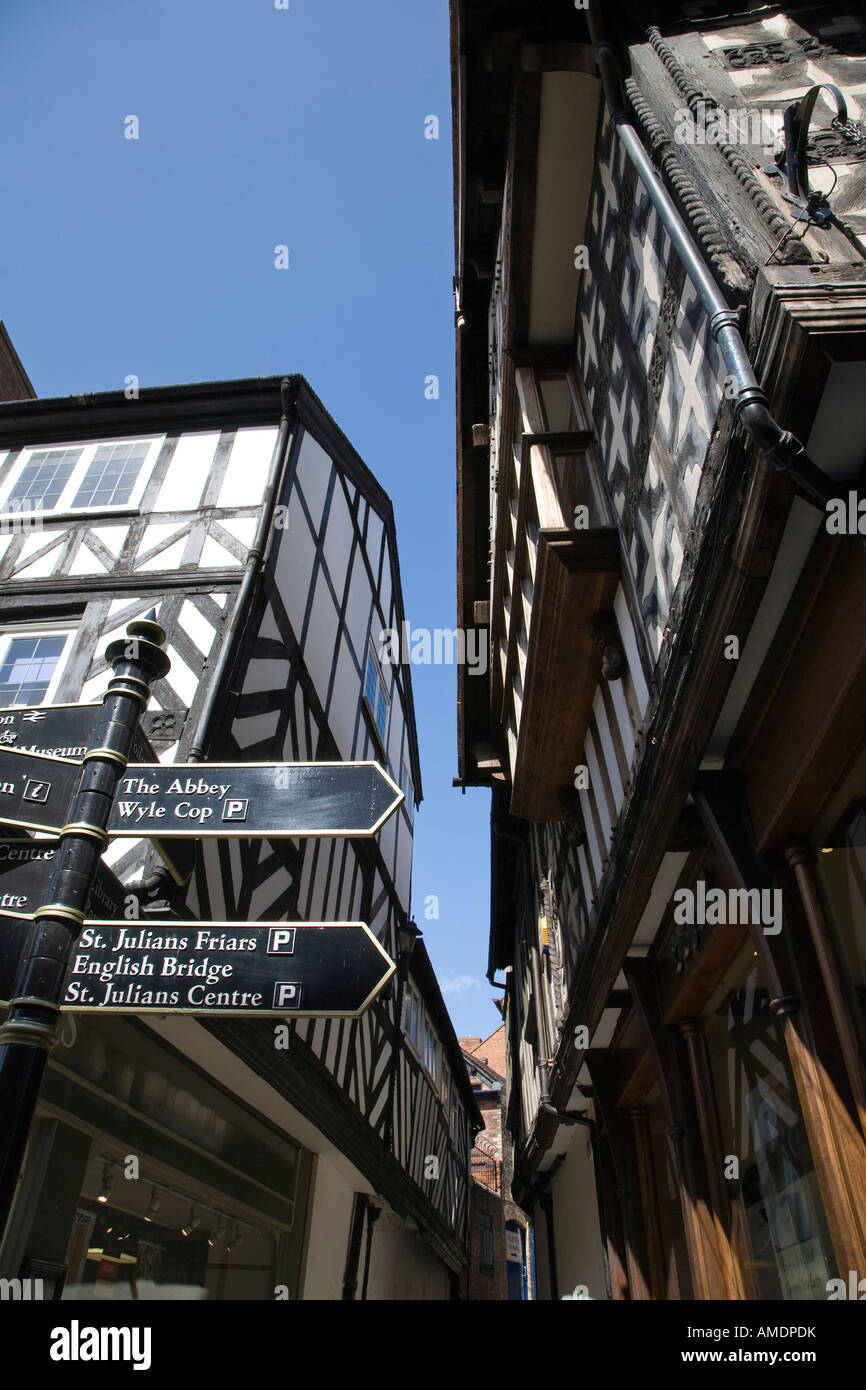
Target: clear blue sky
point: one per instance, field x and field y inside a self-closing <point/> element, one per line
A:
<point x="155" y="257"/>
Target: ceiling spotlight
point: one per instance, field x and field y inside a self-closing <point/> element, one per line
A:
<point x="153" y="1206"/>
<point x="236" y="1239"/>
<point x="192" y="1224"/>
<point x="107" y="1184"/>
<point x="219" y="1234"/>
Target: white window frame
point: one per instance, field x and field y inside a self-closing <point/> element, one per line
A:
<point x="88" y="447"/>
<point x="416" y="1008"/>
<point x="10" y="631"/>
<point x="435" y="1073"/>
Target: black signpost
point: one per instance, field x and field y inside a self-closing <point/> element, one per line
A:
<point x="26" y="867"/>
<point x="29" y="1031"/>
<point x="61" y="943"/>
<point x="324" y="969"/>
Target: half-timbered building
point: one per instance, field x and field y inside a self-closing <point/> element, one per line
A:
<point x="181" y="1156"/>
<point x="661" y="358"/>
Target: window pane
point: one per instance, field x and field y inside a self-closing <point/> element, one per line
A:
<point x="43" y="479"/>
<point x="28" y="668"/>
<point x="111" y="476"/>
<point x="381" y="713"/>
<point x="558" y="405"/>
<point x="371" y="682"/>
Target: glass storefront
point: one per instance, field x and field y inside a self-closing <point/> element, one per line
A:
<point x="147" y="1180"/>
<point x="790" y="1253"/>
<point x="141" y="1240"/>
<point x="842" y="863"/>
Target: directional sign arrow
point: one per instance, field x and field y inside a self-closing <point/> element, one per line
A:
<point x="62" y="731"/>
<point x="301" y="969"/>
<point x="26" y="867"/>
<point x="268" y="799"/>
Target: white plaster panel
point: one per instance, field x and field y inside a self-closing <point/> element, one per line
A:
<point x="338" y="538"/>
<point x="197" y="627"/>
<point x="168" y="559"/>
<point x="181" y="678"/>
<point x="215" y="556"/>
<point x="607" y="748"/>
<point x="243" y="528"/>
<point x="187" y="474"/>
<point x="344" y="703"/>
<point x="247" y="472"/>
<point x="85" y="562"/>
<point x="358" y="613"/>
<point x="313" y="473"/>
<point x="321" y="638"/>
<point x="626" y="632"/>
<point x="45" y="564"/>
<point x="294" y="565"/>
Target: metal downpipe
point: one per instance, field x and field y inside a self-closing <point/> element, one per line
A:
<point x="751" y="408"/>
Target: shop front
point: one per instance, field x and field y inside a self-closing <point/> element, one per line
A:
<point x="145" y="1180"/>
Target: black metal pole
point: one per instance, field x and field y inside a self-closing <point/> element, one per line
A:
<point x="30" y="1030"/>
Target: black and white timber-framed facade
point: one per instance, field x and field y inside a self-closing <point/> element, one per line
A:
<point x="332" y="1162"/>
<point x="675" y="703"/>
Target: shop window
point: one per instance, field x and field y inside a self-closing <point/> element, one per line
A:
<point x="147" y="1240"/>
<point x="790" y="1253"/>
<point x="842" y="862"/>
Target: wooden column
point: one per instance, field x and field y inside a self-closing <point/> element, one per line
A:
<point x="801" y="858"/>
<point x="798" y="999"/>
<point x="666" y="1045"/>
<point x="711" y="1142"/>
<point x="622" y="1148"/>
<point x="639" y="1117"/>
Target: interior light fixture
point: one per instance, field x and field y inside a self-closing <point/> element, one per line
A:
<point x="107" y="1184"/>
<point x="236" y="1239"/>
<point x="192" y="1224"/>
<point x="153" y="1205"/>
